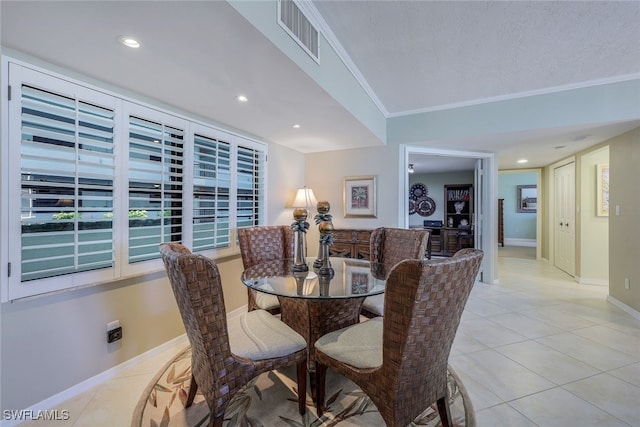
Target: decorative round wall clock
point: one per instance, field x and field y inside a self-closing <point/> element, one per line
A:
<point x="425" y="206"/>
<point x="417" y="190"/>
<point x="419" y="201"/>
<point x="412" y="206"/>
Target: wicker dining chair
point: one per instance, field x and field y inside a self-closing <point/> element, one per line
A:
<point x="400" y="360"/>
<point x="389" y="246"/>
<point x="259" y="245"/>
<point x="226" y="355"/>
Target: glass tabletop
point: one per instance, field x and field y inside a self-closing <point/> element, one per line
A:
<point x="351" y="279"/>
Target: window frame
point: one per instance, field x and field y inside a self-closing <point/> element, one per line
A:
<point x="17" y="72"/>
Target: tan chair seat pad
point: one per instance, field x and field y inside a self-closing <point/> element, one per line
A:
<point x="259" y="335"/>
<point x="374" y="304"/>
<point x="359" y="345"/>
<point x="266" y="301"/>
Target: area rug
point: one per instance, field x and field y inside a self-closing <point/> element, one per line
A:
<point x="271" y="400"/>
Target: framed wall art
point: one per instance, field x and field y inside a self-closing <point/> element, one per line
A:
<point x="359" y="195"/>
<point x="602" y="188"/>
<point x="527" y="198"/>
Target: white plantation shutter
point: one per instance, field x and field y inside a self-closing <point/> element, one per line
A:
<point x="250" y="187"/>
<point x="67" y="172"/>
<point x="93" y="183"/>
<point x="155" y="187"/>
<point x="211" y="193"/>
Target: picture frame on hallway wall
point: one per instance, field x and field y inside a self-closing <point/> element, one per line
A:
<point x="527" y="198"/>
<point x="359" y="197"/>
<point x="602" y="190"/>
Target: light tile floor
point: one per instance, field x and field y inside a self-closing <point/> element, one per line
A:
<point x="536" y="350"/>
<point x="542" y="350"/>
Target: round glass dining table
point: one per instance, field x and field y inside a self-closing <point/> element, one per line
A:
<point x="351" y="279"/>
<point x="313" y="304"/>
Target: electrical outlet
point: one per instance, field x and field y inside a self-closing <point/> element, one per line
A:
<point x="114" y="331"/>
<point x="114" y="334"/>
<point x="627" y="283"/>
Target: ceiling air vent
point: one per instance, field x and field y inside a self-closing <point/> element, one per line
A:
<point x="291" y="18"/>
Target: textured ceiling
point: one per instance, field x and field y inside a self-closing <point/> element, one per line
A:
<point x="197" y="56"/>
<point x="421" y="55"/>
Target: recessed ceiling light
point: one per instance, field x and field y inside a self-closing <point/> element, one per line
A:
<point x="129" y="42"/>
<point x="242" y="98"/>
<point x="296" y="126"/>
<point x="523" y="161"/>
<point x="560" y="147"/>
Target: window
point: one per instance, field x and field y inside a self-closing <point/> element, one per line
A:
<point x="250" y="165"/>
<point x="155" y="187"/>
<point x="96" y="182"/>
<point x="211" y="193"/>
<point x="67" y="169"/>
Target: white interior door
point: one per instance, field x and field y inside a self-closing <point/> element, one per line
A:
<point x="565" y="218"/>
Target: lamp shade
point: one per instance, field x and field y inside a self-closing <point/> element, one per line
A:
<point x="304" y="199"/>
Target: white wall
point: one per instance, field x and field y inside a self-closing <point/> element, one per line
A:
<point x="594" y="235"/>
<point x="624" y="232"/>
<point x="326" y="171"/>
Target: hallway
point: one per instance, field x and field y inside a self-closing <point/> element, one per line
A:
<point x="542" y="350"/>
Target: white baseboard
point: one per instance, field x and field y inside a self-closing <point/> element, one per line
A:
<point x="588" y="281"/>
<point x="624" y="307"/>
<point x="57" y="399"/>
<point x="531" y="243"/>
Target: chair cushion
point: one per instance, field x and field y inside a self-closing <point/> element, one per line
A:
<point x="259" y="335"/>
<point x="359" y="345"/>
<point x="266" y="301"/>
<point x="374" y="304"/>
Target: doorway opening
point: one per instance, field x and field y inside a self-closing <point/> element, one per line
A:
<point x="481" y="174"/>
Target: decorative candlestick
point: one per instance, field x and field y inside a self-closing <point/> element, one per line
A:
<point x="326" y="240"/>
<point x="323" y="215"/>
<point x="300" y="227"/>
<point x="300" y="277"/>
<point x="323" y="285"/>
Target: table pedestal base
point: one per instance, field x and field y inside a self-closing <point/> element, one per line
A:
<point x="313" y="318"/>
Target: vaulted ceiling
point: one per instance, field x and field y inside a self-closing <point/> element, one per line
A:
<point x="411" y="56"/>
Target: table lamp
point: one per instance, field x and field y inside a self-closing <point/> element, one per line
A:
<point x="304" y="200"/>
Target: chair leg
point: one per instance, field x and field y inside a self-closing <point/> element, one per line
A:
<point x="321" y="376"/>
<point x="216" y="421"/>
<point x="444" y="412"/>
<point x="193" y="387"/>
<point x="302" y="387"/>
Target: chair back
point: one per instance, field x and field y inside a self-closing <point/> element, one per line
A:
<point x="265" y="243"/>
<point x="421" y="316"/>
<point x="389" y="246"/>
<point x="197" y="287"/>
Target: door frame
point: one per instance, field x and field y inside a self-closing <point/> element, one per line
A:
<point x="486" y="219"/>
